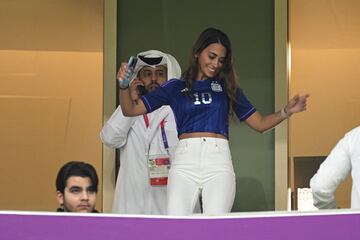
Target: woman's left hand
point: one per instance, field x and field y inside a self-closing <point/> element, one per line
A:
<point x="296" y="104"/>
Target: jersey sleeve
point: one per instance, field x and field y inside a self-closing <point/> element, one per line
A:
<point x="157" y="98"/>
<point x="242" y="106"/>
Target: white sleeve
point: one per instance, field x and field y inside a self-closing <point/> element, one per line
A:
<point x="115" y="131"/>
<point x="331" y="173"/>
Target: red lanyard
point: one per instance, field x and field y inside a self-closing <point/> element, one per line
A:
<point x="162" y="126"/>
<point x="146" y="119"/>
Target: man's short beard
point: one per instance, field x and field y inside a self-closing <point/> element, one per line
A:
<point x="153" y="86"/>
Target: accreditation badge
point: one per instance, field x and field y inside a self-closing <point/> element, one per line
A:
<point x="159" y="166"/>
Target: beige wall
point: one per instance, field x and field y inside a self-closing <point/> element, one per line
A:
<point x="325" y="46"/>
<point x="51" y="91"/>
<point x="325" y="62"/>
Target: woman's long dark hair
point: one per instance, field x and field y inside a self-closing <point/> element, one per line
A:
<point x="226" y="73"/>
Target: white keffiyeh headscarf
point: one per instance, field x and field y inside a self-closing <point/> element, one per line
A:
<point x="154" y="58"/>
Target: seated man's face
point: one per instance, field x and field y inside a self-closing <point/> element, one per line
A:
<point x="153" y="77"/>
<point x="79" y="195"/>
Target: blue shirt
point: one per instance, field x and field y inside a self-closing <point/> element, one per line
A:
<point x="206" y="109"/>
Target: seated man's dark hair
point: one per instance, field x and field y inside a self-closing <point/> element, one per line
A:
<point x="77" y="169"/>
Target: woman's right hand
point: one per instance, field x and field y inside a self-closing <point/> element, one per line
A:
<point x="123" y="75"/>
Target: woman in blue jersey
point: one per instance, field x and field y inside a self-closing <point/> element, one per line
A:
<point x="202" y="101"/>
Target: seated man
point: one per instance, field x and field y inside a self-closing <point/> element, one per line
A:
<point x="343" y="159"/>
<point x="76" y="187"/>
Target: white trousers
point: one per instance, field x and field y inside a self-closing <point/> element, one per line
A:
<point x="201" y="166"/>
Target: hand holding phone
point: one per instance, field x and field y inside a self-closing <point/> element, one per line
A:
<point x="124" y="83"/>
<point x="141" y="90"/>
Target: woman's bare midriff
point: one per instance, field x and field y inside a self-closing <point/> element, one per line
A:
<point x="201" y="134"/>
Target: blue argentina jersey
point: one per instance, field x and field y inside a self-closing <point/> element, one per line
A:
<point x="204" y="110"/>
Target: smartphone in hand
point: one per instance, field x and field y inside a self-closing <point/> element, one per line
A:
<point x="141" y="90"/>
<point x="131" y="65"/>
<point x="132" y="62"/>
<point x="126" y="81"/>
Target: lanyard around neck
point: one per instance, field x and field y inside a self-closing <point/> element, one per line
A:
<point x="162" y="128"/>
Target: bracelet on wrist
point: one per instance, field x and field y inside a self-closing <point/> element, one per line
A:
<point x="284" y="113"/>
